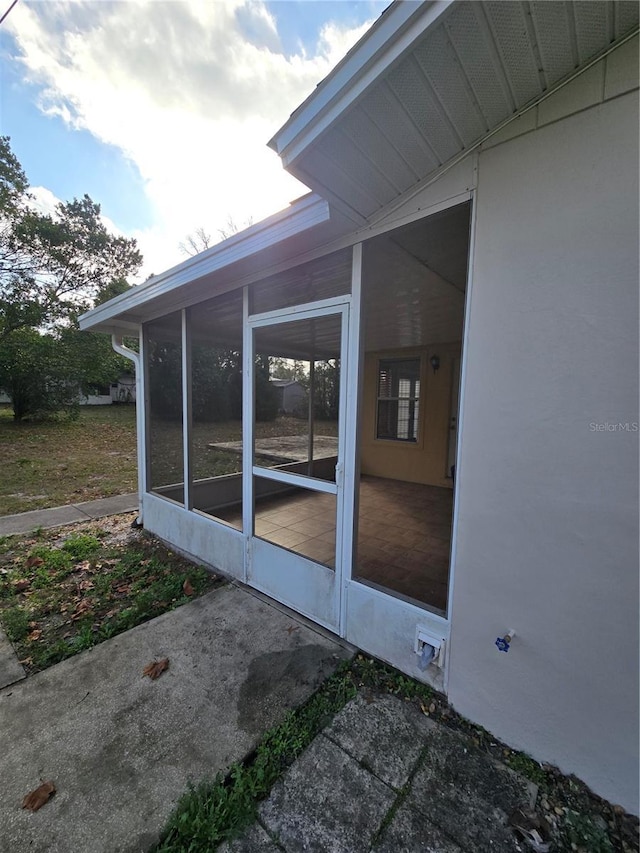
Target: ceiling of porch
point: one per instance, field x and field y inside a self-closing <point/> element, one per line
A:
<point x="413" y="294"/>
<point x="414" y="281"/>
<point x="474" y="66"/>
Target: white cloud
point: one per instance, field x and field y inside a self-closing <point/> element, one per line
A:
<point x="43" y="200"/>
<point x="190" y="92"/>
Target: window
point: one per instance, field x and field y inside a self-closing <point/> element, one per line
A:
<point x="398" y="399"/>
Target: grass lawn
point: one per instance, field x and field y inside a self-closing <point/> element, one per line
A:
<point x="65" y="590"/>
<point x="61" y="462"/>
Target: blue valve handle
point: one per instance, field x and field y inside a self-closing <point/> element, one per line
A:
<point x="503" y="644"/>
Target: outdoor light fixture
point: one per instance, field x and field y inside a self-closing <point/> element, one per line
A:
<point x="434" y="361"/>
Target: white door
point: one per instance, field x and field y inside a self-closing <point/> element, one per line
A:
<point x="295" y="511"/>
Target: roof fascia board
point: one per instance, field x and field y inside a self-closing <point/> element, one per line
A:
<point x="388" y="39"/>
<point x="303" y="214"/>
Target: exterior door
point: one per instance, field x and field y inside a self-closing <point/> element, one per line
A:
<point x="294" y="517"/>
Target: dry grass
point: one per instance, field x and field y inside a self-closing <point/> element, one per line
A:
<point x="61" y="462"/>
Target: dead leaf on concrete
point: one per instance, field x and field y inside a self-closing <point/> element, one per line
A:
<point x="155" y="668"/>
<point x="35" y="799"/>
<point x="187" y="588"/>
<point x="292" y="628"/>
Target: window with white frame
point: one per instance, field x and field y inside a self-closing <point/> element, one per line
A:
<point x="398" y="399"/>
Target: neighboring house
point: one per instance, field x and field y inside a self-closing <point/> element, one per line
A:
<point x="468" y="257"/>
<point x="123" y="390"/>
<point x="292" y="396"/>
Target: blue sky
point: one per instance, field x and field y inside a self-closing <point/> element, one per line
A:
<point x="160" y="110"/>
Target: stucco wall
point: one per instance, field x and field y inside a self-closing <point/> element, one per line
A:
<point x="547" y="494"/>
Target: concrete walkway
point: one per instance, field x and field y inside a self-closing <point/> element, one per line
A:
<point x="26" y="522"/>
<point x="384" y="777"/>
<point x="121" y="748"/>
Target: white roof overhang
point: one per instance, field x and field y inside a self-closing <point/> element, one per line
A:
<point x="302" y="227"/>
<point x="429" y="82"/>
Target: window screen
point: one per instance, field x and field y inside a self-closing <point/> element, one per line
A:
<point x="398" y="399"/>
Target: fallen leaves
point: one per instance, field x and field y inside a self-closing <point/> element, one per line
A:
<point x="187" y="588"/>
<point x="83" y="608"/>
<point x="21" y="585"/>
<point x="156" y="668"/>
<point x="34" y="635"/>
<point x="34" y="562"/>
<point x="35" y="799"/>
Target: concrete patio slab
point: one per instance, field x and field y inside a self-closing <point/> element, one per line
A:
<point x="326" y="802"/>
<point x="286" y="448"/>
<point x="10" y="668"/>
<point x="386" y="736"/>
<point x="121" y="748"/>
<point x="359" y="788"/>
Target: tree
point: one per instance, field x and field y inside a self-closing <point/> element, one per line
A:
<point x="51" y="269"/>
<point x="200" y="240"/>
<point x="195" y="243"/>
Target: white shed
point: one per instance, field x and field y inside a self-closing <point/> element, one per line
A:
<point x="463" y="278"/>
<point x="291" y="395"/>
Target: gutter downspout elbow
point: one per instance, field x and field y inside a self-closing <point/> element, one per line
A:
<point x="119" y="347"/>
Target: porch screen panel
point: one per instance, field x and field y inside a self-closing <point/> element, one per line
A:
<point x="215" y="328"/>
<point x="297" y="391"/>
<point x="311" y="282"/>
<point x="299" y="520"/>
<point x="163" y="346"/>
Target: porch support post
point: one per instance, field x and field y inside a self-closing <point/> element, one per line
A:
<point x="312" y="401"/>
<point x="352" y="377"/>
<point x="186" y="409"/>
<point x="247" y="432"/>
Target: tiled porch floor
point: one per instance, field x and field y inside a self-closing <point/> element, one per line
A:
<point x="404" y="533"/>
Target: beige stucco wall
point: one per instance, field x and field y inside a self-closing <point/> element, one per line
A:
<point x="547" y="500"/>
<point x="426" y="460"/>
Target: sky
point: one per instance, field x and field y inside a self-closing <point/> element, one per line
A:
<point x="161" y="110"/>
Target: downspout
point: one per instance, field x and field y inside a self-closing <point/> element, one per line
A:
<point x="132" y="355"/>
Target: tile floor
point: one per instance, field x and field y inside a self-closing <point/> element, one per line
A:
<point x="404" y="534"/>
